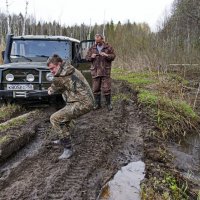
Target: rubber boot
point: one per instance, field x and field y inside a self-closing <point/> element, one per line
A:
<point x="64" y="130"/>
<point x="108" y="102"/>
<point x="58" y="142"/>
<point x="97" y="101"/>
<point x="68" y="152"/>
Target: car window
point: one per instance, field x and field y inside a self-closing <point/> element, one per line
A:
<point x="40" y="48"/>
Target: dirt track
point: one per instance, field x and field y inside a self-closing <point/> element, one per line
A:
<point x="103" y="142"/>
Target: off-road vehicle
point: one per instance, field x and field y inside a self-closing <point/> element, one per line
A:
<point x="24" y="73"/>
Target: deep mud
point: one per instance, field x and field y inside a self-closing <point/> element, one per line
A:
<point x="103" y="142"/>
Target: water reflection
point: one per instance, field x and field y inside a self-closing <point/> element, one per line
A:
<point x="126" y="183"/>
<point x="187" y="156"/>
<point x="191" y="145"/>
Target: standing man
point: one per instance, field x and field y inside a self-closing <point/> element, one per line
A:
<point x="101" y="55"/>
<point x="77" y="94"/>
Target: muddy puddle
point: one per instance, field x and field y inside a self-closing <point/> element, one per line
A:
<point x="125" y="184"/>
<point x="187" y="156"/>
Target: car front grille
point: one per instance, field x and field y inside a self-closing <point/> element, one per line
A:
<point x="20" y="75"/>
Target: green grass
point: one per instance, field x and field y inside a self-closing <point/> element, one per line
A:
<point x="120" y="96"/>
<point x="12" y="123"/>
<point x="147" y="97"/>
<point x="137" y="79"/>
<point x="171" y="189"/>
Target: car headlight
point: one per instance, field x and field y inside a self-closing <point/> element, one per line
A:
<point x="9" y="77"/>
<point x="30" y="78"/>
<point x="49" y="76"/>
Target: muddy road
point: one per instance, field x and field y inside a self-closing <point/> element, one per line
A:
<point x="103" y="142"/>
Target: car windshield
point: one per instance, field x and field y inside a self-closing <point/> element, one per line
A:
<point x="39" y="50"/>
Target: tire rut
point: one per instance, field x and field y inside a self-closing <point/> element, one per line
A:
<point x="103" y="142"/>
<point x="92" y="155"/>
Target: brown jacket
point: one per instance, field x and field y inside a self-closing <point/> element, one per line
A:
<point x="73" y="85"/>
<point x="101" y="65"/>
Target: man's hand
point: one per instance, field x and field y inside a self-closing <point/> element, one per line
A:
<point x="104" y="54"/>
<point x="50" y="92"/>
<point x="93" y="55"/>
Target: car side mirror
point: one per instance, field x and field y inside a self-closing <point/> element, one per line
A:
<point x="2" y="54"/>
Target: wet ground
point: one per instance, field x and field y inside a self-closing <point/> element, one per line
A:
<point x="187" y="157"/>
<point x="125" y="184"/>
<point x="109" y="148"/>
<point x="103" y="143"/>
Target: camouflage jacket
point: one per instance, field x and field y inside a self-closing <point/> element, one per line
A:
<point x="73" y="85"/>
<point x="100" y="65"/>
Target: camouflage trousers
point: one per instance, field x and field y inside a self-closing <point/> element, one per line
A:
<point x="101" y="83"/>
<point x="63" y="119"/>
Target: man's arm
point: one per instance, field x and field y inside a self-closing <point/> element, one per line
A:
<point x="111" y="55"/>
<point x="57" y="86"/>
<point x="90" y="56"/>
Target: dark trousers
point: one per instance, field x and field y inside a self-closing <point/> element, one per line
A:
<point x="101" y="83"/>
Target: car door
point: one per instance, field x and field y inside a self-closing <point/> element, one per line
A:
<point x="84" y="46"/>
<point x="82" y="64"/>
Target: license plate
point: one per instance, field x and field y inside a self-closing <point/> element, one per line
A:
<point x="20" y="87"/>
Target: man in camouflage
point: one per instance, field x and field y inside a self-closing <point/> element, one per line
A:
<point x="101" y="55"/>
<point x="77" y="94"/>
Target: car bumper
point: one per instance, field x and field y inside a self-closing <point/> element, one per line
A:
<point x="23" y="94"/>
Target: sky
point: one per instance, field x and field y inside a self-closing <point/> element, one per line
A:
<point x="70" y="12"/>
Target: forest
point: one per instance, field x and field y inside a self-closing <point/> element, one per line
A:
<point x="176" y="41"/>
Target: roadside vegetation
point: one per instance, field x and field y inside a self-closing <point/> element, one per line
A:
<point x="175" y="190"/>
<point x="17" y="121"/>
<point x="162" y="97"/>
<point x="8" y="111"/>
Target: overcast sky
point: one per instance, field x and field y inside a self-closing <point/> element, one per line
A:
<point x="71" y="12"/>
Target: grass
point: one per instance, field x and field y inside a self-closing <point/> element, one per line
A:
<point x="3" y="139"/>
<point x="137" y="79"/>
<point x="18" y="121"/>
<point x="12" y="123"/>
<point x="169" y="188"/>
<point x="6" y="111"/>
<point x="162" y="96"/>
<point x="120" y="96"/>
<point x="148" y="98"/>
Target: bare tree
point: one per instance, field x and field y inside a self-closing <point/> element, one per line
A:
<point x="25" y="16"/>
<point x="8" y="17"/>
